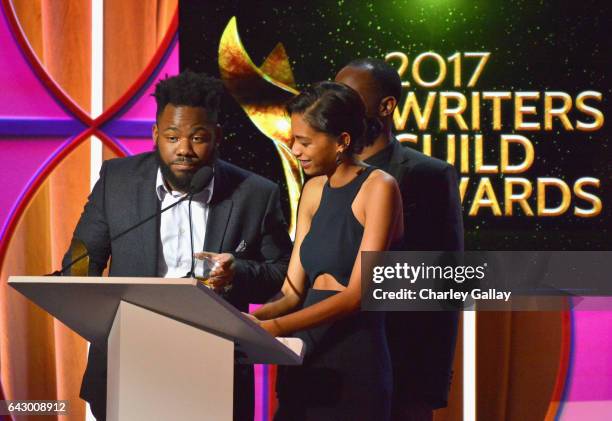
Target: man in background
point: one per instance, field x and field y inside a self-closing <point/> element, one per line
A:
<point x="422" y="344"/>
<point x="237" y="217"/>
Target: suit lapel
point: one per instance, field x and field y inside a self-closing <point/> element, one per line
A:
<point x="147" y="203"/>
<point x="398" y="157"/>
<point x="218" y="217"/>
<point x="220" y="209"/>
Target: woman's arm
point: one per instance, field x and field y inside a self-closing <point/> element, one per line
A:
<point x="295" y="281"/>
<point x="381" y="208"/>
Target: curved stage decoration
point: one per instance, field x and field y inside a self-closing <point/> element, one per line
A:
<point x="56" y="114"/>
<point x="262" y="93"/>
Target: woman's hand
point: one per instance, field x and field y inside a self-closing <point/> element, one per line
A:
<point x="271" y="326"/>
<point x="252" y="318"/>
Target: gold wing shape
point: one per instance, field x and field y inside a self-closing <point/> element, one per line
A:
<point x="262" y="93"/>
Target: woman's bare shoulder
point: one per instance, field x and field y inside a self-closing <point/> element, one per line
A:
<point x="311" y="193"/>
<point x="315" y="184"/>
<point x="380" y="179"/>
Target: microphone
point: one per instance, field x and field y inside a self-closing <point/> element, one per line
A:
<point x="199" y="181"/>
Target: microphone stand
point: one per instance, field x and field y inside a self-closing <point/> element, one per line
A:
<point x="191" y="273"/>
<point x="84" y="255"/>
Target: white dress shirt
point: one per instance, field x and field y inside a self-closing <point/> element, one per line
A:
<point x="174" y="259"/>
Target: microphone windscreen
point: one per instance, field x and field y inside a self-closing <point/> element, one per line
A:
<point x="200" y="179"/>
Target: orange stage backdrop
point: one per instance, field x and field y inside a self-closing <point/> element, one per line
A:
<point x="40" y="358"/>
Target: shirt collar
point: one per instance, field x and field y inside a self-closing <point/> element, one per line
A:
<point x="162" y="190"/>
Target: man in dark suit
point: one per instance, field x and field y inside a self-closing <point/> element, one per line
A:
<point x="237" y="218"/>
<point x="422" y="344"/>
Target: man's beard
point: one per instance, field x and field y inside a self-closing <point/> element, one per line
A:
<point x="177" y="183"/>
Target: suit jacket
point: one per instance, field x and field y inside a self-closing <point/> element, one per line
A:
<point x="245" y="214"/>
<point x="422" y="344"/>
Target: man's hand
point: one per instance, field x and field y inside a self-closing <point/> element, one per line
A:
<point x="222" y="273"/>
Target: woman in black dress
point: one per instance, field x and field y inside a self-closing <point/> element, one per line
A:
<point x="345" y="208"/>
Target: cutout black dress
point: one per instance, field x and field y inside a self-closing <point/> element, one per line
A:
<point x="346" y="373"/>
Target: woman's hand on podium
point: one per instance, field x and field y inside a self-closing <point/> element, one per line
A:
<point x="252" y="318"/>
<point x="270" y="326"/>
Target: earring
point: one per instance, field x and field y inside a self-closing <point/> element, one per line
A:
<point x="338" y="158"/>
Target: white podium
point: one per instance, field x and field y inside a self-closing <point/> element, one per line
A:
<point x="171" y="342"/>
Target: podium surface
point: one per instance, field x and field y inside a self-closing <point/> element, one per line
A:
<point x="88" y="306"/>
<point x="172" y="343"/>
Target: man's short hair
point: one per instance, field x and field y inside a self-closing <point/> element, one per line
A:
<point x="192" y="90"/>
<point x="385" y="76"/>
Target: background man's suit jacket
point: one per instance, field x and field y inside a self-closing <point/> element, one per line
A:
<point x="422" y="343"/>
<point x="245" y="215"/>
